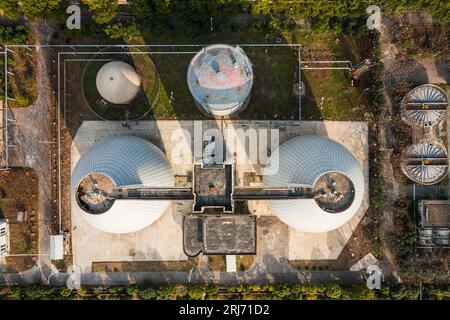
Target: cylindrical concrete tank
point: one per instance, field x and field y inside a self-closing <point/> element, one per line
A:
<point x="220" y="78"/>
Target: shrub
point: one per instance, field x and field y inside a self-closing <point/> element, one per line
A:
<point x="196" y="292"/>
<point x="165" y="292"/>
<point x="282" y="291"/>
<point x="333" y="291"/>
<point x="16" y="292"/>
<point x="180" y="291"/>
<point x="65" y="292"/>
<point x="82" y="291"/>
<point x="133" y="290"/>
<point x="212" y="289"/>
<point x="38" y="292"/>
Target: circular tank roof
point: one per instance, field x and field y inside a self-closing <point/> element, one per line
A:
<point x="122" y="161"/>
<point x="92" y="193"/>
<point x="425" y="106"/>
<point x="425" y="162"/>
<point x="305" y="161"/>
<point x="334" y="192"/>
<point x="118" y="82"/>
<point x="220" y="78"/>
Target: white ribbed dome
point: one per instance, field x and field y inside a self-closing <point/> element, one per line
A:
<point x="126" y="160"/>
<point x="118" y="82"/>
<point x="220" y="79"/>
<point x="302" y="161"/>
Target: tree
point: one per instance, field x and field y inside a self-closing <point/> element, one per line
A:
<point x="333" y="291"/>
<point x="14" y="34"/>
<point x="35" y="8"/>
<point x="118" y="31"/>
<point x="104" y="10"/>
<point x="65" y="292"/>
<point x="196" y="292"/>
<point x="148" y="293"/>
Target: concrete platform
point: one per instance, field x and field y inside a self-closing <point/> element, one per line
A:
<point x="163" y="239"/>
<point x="326" y="246"/>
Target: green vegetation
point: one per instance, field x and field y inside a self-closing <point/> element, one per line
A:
<point x="13" y="9"/>
<point x="324" y="15"/>
<point x="14" y="34"/>
<point x="104" y="10"/>
<point x="121" y="31"/>
<point x="138" y="108"/>
<point x="240" y="292"/>
<point x="22" y="82"/>
<point x="15" y="198"/>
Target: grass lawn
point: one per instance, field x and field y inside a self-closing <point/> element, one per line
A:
<point x="330" y="96"/>
<point x="19" y="193"/>
<point x="340" y="100"/>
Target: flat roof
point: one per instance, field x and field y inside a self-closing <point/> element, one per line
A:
<point x="229" y="234"/>
<point x="220" y="234"/>
<point x="213" y="187"/>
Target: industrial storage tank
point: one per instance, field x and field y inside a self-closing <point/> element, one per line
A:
<point x="330" y="170"/>
<point x="425" y="162"/>
<point x="118" y="162"/>
<point x="425" y="106"/>
<point x="118" y="82"/>
<point x="220" y="78"/>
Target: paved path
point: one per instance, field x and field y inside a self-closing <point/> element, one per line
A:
<point x="223" y="278"/>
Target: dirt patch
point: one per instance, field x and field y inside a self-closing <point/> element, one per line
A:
<point x="66" y="222"/>
<point x="245" y="262"/>
<point x="418" y="34"/>
<point x="19" y="206"/>
<point x="145" y="266"/>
